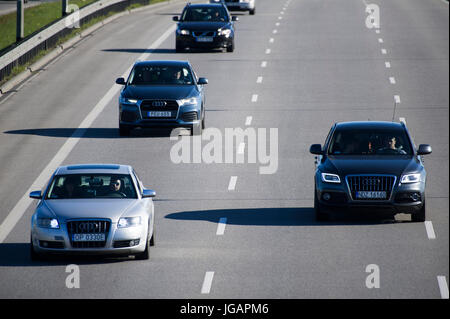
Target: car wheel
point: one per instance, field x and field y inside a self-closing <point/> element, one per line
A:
<point x="124" y="130"/>
<point x="145" y="255"/>
<point x="420" y="215"/>
<point x="318" y="211"/>
<point x="203" y="121"/>
<point x="152" y="240"/>
<point x="34" y="256"/>
<point x="230" y="48"/>
<point x="252" y="12"/>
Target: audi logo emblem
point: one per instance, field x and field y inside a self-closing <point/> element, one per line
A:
<point x="159" y="103"/>
<point x="372" y="182"/>
<point x="88" y="227"/>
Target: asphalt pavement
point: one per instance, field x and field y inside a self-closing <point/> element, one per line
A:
<point x="224" y="230"/>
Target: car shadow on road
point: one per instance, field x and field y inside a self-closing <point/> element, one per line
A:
<point x="301" y="216"/>
<point x="163" y="51"/>
<point x="18" y="255"/>
<point x="92" y="132"/>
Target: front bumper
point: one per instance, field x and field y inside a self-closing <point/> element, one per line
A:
<point x="119" y="241"/>
<point x="189" y="41"/>
<point x="338" y="199"/>
<point x="131" y="115"/>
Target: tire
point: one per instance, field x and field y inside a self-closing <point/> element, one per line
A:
<point x="420" y="216"/>
<point x="152" y="240"/>
<point x="34" y="256"/>
<point x="203" y="121"/>
<point x="318" y="211"/>
<point x="124" y="130"/>
<point x="252" y="11"/>
<point x="145" y="255"/>
<point x="230" y="48"/>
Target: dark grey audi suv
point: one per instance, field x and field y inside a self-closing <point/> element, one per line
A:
<point x="162" y="94"/>
<point x="370" y="167"/>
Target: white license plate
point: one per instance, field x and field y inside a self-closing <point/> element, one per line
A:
<point x="371" y="195"/>
<point x="205" y="39"/>
<point x="159" y="114"/>
<point x="88" y="237"/>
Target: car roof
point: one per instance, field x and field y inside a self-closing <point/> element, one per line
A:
<point x="200" y="5"/>
<point x="163" y="62"/>
<point x="370" y="125"/>
<point x="93" y="168"/>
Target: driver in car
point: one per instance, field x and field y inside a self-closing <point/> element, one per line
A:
<point x="115" y="188"/>
<point x="391" y="146"/>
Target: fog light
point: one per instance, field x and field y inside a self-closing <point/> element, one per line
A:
<point x="415" y="197"/>
<point x="326" y="196"/>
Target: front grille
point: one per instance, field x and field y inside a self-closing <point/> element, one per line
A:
<point x="159" y="105"/>
<point x="204" y="33"/>
<point x="88" y="227"/>
<point x="370" y="183"/>
<point x="189" y="116"/>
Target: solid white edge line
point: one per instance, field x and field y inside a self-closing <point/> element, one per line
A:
<point x="232" y="183"/>
<point x="443" y="287"/>
<point x="221" y="226"/>
<point x="430" y="230"/>
<point x="24" y="202"/>
<point x="207" y="282"/>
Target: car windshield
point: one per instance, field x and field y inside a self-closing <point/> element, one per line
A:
<point x="160" y="75"/>
<point x="91" y="186"/>
<point x="206" y="14"/>
<point x="370" y="142"/>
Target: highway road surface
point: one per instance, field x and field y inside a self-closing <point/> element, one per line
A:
<point x="225" y="230"/>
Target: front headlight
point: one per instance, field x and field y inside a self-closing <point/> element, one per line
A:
<point x="48" y="223"/>
<point x="330" y="178"/>
<point x="225" y="32"/>
<point x="410" y="178"/>
<point x="189" y="101"/>
<point x="128" y="101"/>
<point x="129" y="222"/>
<point x="184" y="32"/>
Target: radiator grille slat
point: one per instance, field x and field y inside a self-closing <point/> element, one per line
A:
<point x="88" y="227"/>
<point x="370" y="183"/>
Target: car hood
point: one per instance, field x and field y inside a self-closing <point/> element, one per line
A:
<point x="388" y="165"/>
<point x="203" y="26"/>
<point x="65" y="209"/>
<point x="169" y="92"/>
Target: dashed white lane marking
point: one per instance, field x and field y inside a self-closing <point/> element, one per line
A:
<point x="275" y="31"/>
<point x="280" y="18"/>
<point x="430" y="230"/>
<point x="232" y="183"/>
<point x="443" y="287"/>
<point x="264" y="64"/>
<point x="248" y="120"/>
<point x="387" y="65"/>
<point x="383" y="51"/>
<point x="259" y="79"/>
<point x="377" y="31"/>
<point x="254" y="98"/>
<point x="380" y="40"/>
<point x="207" y="282"/>
<point x="221" y="226"/>
<point x="268" y="51"/>
<point x="282" y="12"/>
<point x="397" y="99"/>
<point x="277" y="24"/>
<point x="271" y="40"/>
<point x="392" y="80"/>
<point x="241" y="148"/>
<point x="402" y="120"/>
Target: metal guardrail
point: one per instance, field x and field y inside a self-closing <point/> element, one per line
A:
<point x="24" y="51"/>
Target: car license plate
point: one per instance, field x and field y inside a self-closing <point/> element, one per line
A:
<point x="88" y="237"/>
<point x="159" y="114"/>
<point x="371" y="195"/>
<point x="205" y="39"/>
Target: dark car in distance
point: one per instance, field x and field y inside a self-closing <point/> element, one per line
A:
<point x="162" y="94"/>
<point x="205" y="26"/>
<point x="369" y="167"/>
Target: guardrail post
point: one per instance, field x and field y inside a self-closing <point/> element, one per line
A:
<point x="65" y="4"/>
<point x="20" y="21"/>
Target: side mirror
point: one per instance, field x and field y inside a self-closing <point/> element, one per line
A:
<point x="120" y="81"/>
<point x="175" y="18"/>
<point x="148" y="193"/>
<point x="233" y="18"/>
<point x="36" y="195"/>
<point x="202" y="81"/>
<point x="316" y="149"/>
<point x="424" y="149"/>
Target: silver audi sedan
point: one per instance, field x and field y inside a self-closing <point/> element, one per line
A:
<point x="93" y="209"/>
